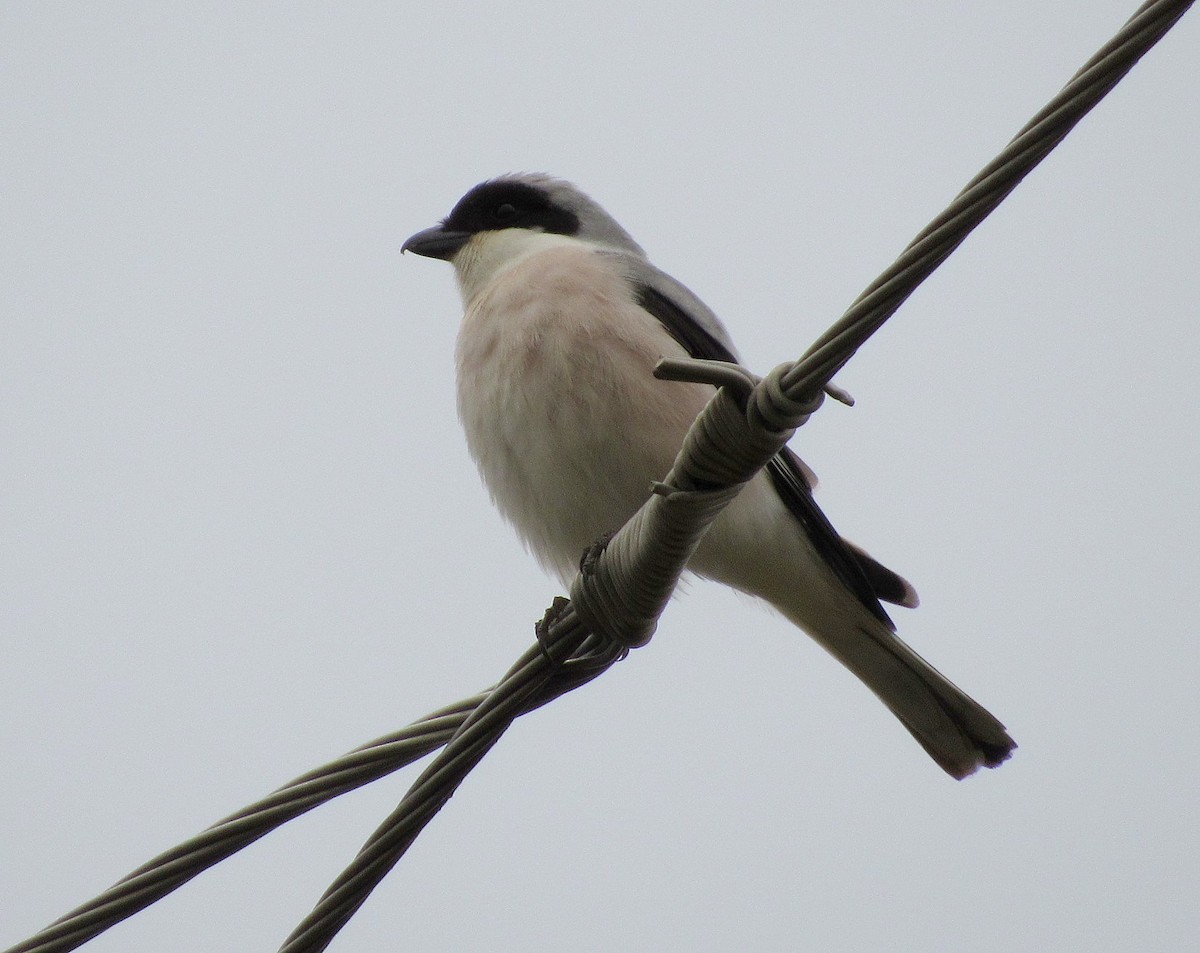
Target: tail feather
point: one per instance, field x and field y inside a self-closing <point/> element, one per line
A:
<point x="754" y="547"/>
<point x="957" y="732"/>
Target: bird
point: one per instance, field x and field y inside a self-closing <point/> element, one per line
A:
<point x="564" y="320"/>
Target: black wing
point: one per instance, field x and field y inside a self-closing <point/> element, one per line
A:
<point x="861" y="574"/>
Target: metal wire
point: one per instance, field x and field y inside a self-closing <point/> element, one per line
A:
<point x="568" y="655"/>
<point x="173" y="868"/>
<point x="982" y="194"/>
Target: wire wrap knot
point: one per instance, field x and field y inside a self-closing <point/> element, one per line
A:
<point x="772" y="405"/>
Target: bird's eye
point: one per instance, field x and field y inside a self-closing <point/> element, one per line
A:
<point x="505" y="212"/>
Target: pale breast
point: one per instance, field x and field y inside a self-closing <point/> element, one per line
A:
<point x="561" y="409"/>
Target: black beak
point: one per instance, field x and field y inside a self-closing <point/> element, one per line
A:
<point x="437" y="242"/>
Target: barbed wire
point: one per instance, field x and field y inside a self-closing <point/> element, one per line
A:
<point x="625" y="584"/>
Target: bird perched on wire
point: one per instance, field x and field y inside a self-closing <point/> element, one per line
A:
<point x="565" y="319"/>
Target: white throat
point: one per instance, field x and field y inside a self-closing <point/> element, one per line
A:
<point x="487" y="254"/>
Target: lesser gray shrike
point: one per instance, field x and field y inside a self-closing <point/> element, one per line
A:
<point x="565" y="319"/>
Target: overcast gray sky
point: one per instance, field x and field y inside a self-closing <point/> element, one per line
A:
<point x="241" y="533"/>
